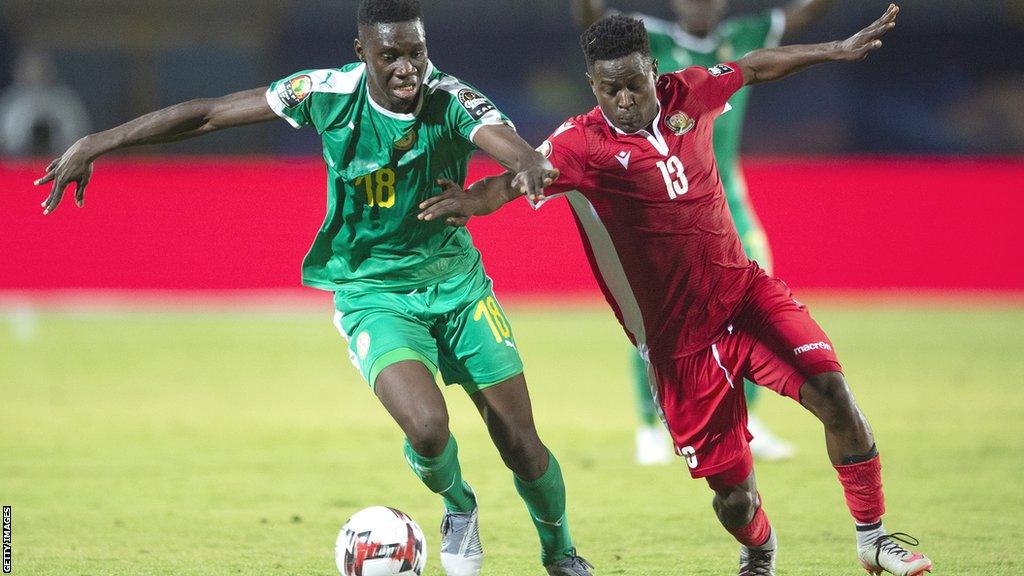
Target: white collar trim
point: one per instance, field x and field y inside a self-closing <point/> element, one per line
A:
<point x="656" y="139"/>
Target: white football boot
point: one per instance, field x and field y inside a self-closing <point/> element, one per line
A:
<point x="461" y="552"/>
<point x="759" y="561"/>
<point x="887" y="554"/>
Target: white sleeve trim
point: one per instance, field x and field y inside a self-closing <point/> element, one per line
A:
<point x="486" y="121"/>
<point x="278" y="107"/>
<point x="777" y="29"/>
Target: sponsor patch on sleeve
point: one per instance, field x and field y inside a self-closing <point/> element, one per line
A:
<point x="294" y="91"/>
<point x="474" y="103"/>
<point x="720" y="70"/>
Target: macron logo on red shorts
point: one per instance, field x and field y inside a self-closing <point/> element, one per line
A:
<point x="812" y="346"/>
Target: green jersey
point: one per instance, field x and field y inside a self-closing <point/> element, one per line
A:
<point x="380" y="166"/>
<point x="675" y="49"/>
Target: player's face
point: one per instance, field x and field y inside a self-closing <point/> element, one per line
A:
<point x="625" y="90"/>
<point x="396" y="62"/>
<point x="699" y="17"/>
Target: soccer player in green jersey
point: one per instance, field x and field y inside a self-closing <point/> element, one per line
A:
<point x="411" y="297"/>
<point x="700" y="37"/>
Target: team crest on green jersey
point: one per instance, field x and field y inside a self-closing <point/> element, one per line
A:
<point x="295" y="90"/>
<point x="406" y="142"/>
<point x="679" y="123"/>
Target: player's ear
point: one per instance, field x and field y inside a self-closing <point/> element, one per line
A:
<point x="590" y="80"/>
<point x="359" y="50"/>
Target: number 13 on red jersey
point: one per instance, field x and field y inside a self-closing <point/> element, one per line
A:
<point x="675" y="179"/>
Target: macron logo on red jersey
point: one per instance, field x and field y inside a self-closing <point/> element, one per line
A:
<point x="623" y="158"/>
<point x="812" y="346"/>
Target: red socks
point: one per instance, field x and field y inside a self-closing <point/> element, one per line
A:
<point x="862" y="485"/>
<point x="757" y="532"/>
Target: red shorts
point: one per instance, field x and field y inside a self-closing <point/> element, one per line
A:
<point x="773" y="342"/>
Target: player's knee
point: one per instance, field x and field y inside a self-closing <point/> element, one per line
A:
<point x="828" y="396"/>
<point x="428" y="434"/>
<point x="736" y="506"/>
<point x="524" y="454"/>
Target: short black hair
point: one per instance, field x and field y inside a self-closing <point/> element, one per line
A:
<point x="613" y="37"/>
<point x="379" y="11"/>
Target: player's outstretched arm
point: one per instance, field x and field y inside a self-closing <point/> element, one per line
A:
<point x="457" y="206"/>
<point x="775" y="63"/>
<point x="177" y="122"/>
<point x="801" y="13"/>
<point x="532" y="170"/>
<point x="586" y="12"/>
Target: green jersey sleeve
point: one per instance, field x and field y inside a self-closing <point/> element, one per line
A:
<point x="756" y="31"/>
<point x="468" y="109"/>
<point x="314" y="97"/>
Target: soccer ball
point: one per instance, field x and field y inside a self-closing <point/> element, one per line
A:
<point x="380" y="541"/>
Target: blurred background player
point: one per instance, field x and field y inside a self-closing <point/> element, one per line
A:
<point x="700" y="37"/>
<point x="39" y="114"/>
<point x="413" y="296"/>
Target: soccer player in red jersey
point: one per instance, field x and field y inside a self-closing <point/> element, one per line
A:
<point x="640" y="175"/>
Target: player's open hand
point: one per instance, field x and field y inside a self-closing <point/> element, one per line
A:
<point x="453" y="204"/>
<point x="75" y="165"/>
<point x="858" y="46"/>
<point x="531" y="182"/>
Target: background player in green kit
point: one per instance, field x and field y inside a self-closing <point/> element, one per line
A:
<point x="700" y="37"/>
<point x="411" y="297"/>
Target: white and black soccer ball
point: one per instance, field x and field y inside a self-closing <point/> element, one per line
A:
<point x="380" y="541"/>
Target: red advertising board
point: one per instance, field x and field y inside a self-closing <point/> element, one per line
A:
<point x="228" y="223"/>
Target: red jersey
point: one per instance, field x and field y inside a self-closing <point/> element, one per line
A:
<point x="653" y="216"/>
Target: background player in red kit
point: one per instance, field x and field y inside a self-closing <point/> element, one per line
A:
<point x="640" y="175"/>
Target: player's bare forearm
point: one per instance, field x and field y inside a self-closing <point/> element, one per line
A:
<point x="494" y="191"/>
<point x="456" y="206"/>
<point x="801" y="13"/>
<point x="586" y="12"/>
<point x="775" y="63"/>
<point x="178" y="122"/>
<point x="532" y="170"/>
<point x="185" y="120"/>
<point x="508" y="148"/>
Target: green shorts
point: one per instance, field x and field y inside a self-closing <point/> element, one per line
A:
<point x="455" y="328"/>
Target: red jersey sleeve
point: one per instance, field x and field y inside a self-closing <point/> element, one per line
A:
<point x="566" y="149"/>
<point x="712" y="87"/>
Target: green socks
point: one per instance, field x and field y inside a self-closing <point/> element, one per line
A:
<point x="545" y="499"/>
<point x="646" y="409"/>
<point x="443" y="476"/>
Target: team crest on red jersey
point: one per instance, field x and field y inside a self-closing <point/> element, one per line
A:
<point x="679" y="123"/>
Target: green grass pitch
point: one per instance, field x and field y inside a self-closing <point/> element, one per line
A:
<point x="230" y="443"/>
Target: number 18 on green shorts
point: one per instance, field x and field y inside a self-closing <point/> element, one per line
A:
<point x="455" y="327"/>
